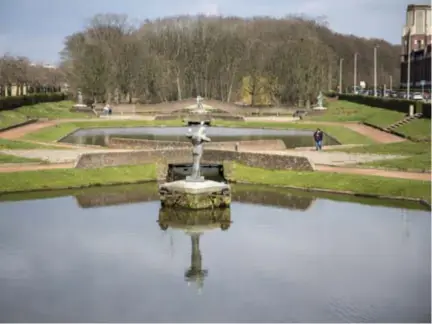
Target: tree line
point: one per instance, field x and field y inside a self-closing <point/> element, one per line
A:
<point x="20" y="71"/>
<point x="224" y="58"/>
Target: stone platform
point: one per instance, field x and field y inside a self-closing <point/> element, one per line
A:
<point x="205" y="194"/>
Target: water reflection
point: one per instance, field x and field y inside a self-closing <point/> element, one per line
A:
<point x="335" y="261"/>
<point x="195" y="223"/>
<point x="260" y="195"/>
<point x="100" y="136"/>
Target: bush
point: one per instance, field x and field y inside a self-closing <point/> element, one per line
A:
<point x="10" y="103"/>
<point x="400" y="105"/>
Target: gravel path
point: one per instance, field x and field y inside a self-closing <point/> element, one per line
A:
<point x="333" y="158"/>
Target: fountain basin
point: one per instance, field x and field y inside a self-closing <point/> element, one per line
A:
<point x="206" y="194"/>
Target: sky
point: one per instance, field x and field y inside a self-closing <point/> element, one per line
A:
<point x="37" y="28"/>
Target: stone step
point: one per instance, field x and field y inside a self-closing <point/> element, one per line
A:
<point x="403" y="121"/>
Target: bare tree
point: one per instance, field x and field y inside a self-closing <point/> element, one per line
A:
<point x="217" y="57"/>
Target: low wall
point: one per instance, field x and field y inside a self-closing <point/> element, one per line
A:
<point x="220" y="116"/>
<point x="143" y="144"/>
<point x="165" y="156"/>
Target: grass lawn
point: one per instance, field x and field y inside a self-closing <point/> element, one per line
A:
<point x="5" y="158"/>
<point x="419" y="162"/>
<point x="11" y="117"/>
<point x="418" y="155"/>
<point x="21" y="145"/>
<point x="419" y="129"/>
<point x="51" y="110"/>
<point x="341" y="134"/>
<point x="341" y="182"/>
<point x="75" y="178"/>
<point x="54" y="133"/>
<point x="345" y="111"/>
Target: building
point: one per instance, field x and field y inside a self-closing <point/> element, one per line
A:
<point x="416" y="36"/>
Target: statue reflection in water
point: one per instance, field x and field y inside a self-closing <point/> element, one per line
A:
<point x="194" y="223"/>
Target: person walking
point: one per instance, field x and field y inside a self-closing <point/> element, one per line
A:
<point x="318" y="138"/>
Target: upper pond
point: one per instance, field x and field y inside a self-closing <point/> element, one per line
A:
<point x="111" y="255"/>
<point x="291" y="138"/>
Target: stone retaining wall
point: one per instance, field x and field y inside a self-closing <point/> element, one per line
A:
<point x="200" y="117"/>
<point x="164" y="156"/>
<point x="143" y="144"/>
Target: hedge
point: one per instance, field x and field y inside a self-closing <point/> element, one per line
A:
<point x="401" y="105"/>
<point x="10" y="103"/>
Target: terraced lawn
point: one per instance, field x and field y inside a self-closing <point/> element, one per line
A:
<point x="345" y="111"/>
<point x="418" y="155"/>
<point x="5" y="158"/>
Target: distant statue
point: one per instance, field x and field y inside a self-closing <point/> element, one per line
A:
<point x="80" y="97"/>
<point x="199" y="100"/>
<point x="198" y="139"/>
<point x="320" y="99"/>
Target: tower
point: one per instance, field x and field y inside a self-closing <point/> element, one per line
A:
<point x="417" y="28"/>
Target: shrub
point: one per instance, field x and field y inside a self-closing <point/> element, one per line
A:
<point x="400" y="105"/>
<point x="10" y="103"/>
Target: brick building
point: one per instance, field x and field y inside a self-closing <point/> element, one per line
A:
<point x="418" y="32"/>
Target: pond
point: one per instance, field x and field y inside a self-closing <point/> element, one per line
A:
<point x="111" y="255"/>
<point x="292" y="138"/>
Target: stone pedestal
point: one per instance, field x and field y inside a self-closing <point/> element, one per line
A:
<point x="319" y="108"/>
<point x="205" y="194"/>
<point x="81" y="107"/>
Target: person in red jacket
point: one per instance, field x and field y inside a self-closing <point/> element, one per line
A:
<point x="318" y="138"/>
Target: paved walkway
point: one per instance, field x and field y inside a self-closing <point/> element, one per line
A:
<point x="332" y="158"/>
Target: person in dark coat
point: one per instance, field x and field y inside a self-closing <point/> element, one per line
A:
<point x="318" y="138"/>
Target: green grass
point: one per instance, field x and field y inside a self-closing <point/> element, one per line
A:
<point x="419" y="162"/>
<point x="10" y="117"/>
<point x="419" y="129"/>
<point x="21" y="145"/>
<point x="338" y="182"/>
<point x="418" y="155"/>
<point x="5" y="158"/>
<point x="51" y="110"/>
<point x="401" y="148"/>
<point x="75" y="178"/>
<point x="345" y="111"/>
<point x="54" y="133"/>
<point x="341" y="134"/>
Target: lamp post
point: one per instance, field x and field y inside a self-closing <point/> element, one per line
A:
<point x="408" y="65"/>
<point x="355" y="72"/>
<point x="375" y="70"/>
<point x="340" y="74"/>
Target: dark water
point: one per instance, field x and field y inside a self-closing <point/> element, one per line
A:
<point x="111" y="255"/>
<point x="99" y="136"/>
